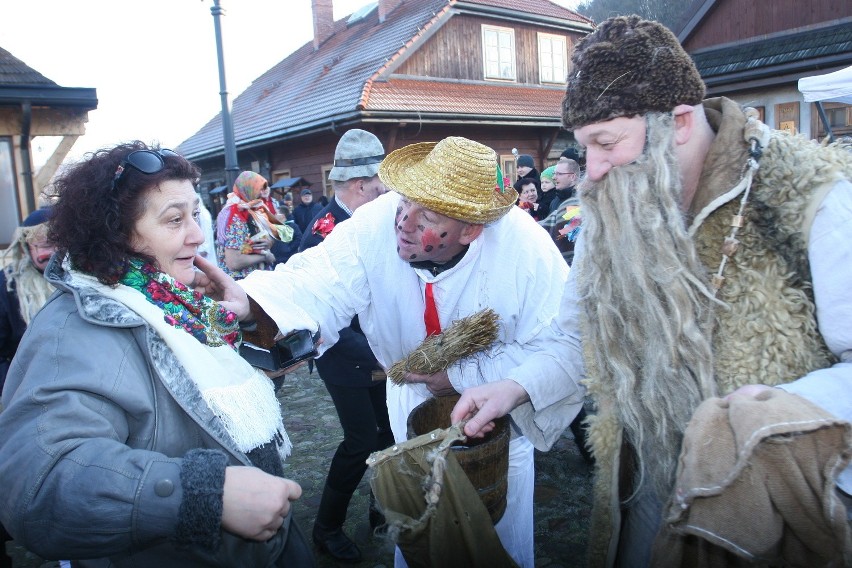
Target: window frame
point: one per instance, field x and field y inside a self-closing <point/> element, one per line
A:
<point x="508" y="164"/>
<point x="560" y="76"/>
<point x="327" y="190"/>
<point x="510" y="32"/>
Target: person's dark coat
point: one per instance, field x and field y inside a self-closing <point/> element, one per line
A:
<point x="303" y="214"/>
<point x="549" y="202"/>
<point x="283" y="251"/>
<point x="350" y="362"/>
<point x="563" y="194"/>
<point x="12" y="326"/>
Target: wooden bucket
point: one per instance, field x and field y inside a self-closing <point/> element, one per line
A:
<point x="484" y="460"/>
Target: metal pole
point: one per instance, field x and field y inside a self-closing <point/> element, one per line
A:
<point x="232" y="168"/>
<point x="825" y="121"/>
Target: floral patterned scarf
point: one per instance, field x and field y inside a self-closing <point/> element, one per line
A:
<point x="184" y="308"/>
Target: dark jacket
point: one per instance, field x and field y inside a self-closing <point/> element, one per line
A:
<point x="562" y="195"/>
<point x="350" y="362"/>
<point x="547" y="200"/>
<point x="303" y="214"/>
<point x="12" y="326"/>
<point x="283" y="251"/>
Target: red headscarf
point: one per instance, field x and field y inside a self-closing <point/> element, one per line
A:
<point x="246" y="200"/>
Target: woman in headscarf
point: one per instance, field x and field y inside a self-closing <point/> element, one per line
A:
<point x="246" y="227"/>
<point x="134" y="433"/>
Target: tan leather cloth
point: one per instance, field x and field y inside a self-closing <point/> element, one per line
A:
<point x="458" y="531"/>
<point x="755" y="485"/>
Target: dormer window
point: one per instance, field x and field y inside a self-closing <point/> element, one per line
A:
<point x="552" y="58"/>
<point x="498" y="52"/>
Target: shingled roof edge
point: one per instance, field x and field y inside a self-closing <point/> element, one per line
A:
<point x="368" y="84"/>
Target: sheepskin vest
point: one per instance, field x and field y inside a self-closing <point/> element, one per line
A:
<point x="769" y="333"/>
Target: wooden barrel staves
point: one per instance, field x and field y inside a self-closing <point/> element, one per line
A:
<point x="484" y="460"/>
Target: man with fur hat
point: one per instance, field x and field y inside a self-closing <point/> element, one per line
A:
<point x="350" y="369"/>
<point x="440" y="246"/>
<point x="23" y="289"/>
<point x="714" y="261"/>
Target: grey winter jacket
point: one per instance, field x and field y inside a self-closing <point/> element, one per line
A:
<point x="108" y="450"/>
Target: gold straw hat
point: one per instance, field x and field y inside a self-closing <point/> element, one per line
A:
<point x="455" y="177"/>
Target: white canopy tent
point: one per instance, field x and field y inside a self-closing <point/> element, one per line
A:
<point x="832" y="87"/>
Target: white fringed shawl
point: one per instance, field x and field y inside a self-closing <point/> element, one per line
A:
<point x="241" y="396"/>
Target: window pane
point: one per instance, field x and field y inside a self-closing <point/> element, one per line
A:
<point x="551" y="59"/>
<point x="499" y="53"/>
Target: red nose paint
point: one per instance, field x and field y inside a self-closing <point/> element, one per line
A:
<point x="429" y="240"/>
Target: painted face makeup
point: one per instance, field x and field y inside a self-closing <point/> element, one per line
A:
<point x="424" y="235"/>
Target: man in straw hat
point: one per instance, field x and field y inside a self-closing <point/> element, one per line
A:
<point x="441" y="246"/>
<point x="698" y="275"/>
<point x="349" y="368"/>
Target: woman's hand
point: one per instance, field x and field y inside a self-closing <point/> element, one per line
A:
<point x="212" y="281"/>
<point x="254" y="503"/>
<point x="261" y="243"/>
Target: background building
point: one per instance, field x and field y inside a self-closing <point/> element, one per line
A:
<point x="408" y="71"/>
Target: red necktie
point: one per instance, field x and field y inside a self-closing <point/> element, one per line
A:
<point x="430" y="316"/>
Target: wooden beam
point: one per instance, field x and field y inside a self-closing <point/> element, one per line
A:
<point x="46" y="172"/>
<point x="548" y="145"/>
<point x="393" y="132"/>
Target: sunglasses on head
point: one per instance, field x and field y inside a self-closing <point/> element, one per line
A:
<point x="146" y="161"/>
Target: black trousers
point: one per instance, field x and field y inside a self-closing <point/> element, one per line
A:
<point x="363" y="414"/>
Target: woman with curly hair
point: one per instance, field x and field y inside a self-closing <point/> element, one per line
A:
<point x="135" y="433"/>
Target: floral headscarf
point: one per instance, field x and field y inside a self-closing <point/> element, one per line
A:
<point x="246" y="201"/>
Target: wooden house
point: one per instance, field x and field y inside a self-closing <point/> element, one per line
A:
<point x="408" y="71"/>
<point x="32" y="105"/>
<point x="755" y="53"/>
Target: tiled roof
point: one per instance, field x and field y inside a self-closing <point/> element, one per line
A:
<point x="311" y="89"/>
<point x="14" y="72"/>
<point x="19" y="82"/>
<point x="761" y="57"/>
<point x="468" y="98"/>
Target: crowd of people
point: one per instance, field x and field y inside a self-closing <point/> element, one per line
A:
<point x="690" y="279"/>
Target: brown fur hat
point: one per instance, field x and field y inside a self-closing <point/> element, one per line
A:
<point x="628" y="66"/>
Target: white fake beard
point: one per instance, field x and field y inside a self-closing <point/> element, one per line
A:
<point x="648" y="303"/>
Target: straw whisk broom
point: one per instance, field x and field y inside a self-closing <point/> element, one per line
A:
<point x="462" y="338"/>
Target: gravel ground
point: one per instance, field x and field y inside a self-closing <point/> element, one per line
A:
<point x="562" y="489"/>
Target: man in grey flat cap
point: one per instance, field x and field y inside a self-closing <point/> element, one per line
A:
<point x="352" y="374"/>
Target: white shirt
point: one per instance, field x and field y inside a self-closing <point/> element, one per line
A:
<point x="513" y="267"/>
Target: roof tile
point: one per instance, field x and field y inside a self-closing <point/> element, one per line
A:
<point x="510" y="100"/>
<point x="15" y="72"/>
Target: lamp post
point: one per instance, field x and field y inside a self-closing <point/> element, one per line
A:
<point x="231" y="166"/>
